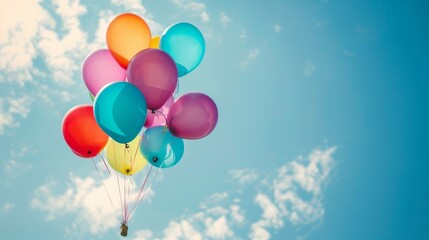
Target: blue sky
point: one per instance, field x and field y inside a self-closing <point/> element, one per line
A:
<point x="322" y="132"/>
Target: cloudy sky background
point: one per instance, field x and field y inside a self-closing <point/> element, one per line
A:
<point x="322" y="132"/>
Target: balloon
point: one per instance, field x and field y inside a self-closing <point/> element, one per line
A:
<point x="154" y="43"/>
<point x="160" y="148"/>
<point x="155" y="74"/>
<point x="158" y="118"/>
<point x="120" y="110"/>
<point x="99" y="69"/>
<point x="81" y="132"/>
<point x="192" y="116"/>
<point x="125" y="158"/>
<point x="127" y="35"/>
<point x="185" y="44"/>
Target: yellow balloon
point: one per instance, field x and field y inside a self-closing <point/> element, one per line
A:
<point x="125" y="158"/>
<point x="154" y="42"/>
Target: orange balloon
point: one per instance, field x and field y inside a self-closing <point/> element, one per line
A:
<point x="154" y="43"/>
<point x="127" y="35"/>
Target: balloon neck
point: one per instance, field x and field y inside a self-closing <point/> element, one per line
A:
<point x="128" y="171"/>
<point x="126" y="145"/>
<point x="89" y="152"/>
<point x="153" y="111"/>
<point x="155" y="159"/>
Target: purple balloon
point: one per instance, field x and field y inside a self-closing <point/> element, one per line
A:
<point x="154" y="72"/>
<point x="100" y="68"/>
<point x="192" y="116"/>
<point x="158" y="118"/>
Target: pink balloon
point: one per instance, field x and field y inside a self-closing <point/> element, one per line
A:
<point x="99" y="69"/>
<point x="158" y="118"/>
<point x="154" y="72"/>
<point x="192" y="116"/>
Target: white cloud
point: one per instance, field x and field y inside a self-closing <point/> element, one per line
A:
<point x="224" y="19"/>
<point x="237" y="214"/>
<point x="17" y="106"/>
<point x="218" y="229"/>
<point x="19" y="28"/>
<point x="87" y="199"/>
<point x="277" y="28"/>
<point x="243" y="175"/>
<point x="8" y="206"/>
<point x="197" y="8"/>
<point x="291" y="196"/>
<point x="309" y="68"/>
<point x="258" y="232"/>
<point x="143" y="235"/>
<point x="181" y="230"/>
<point x="271" y="214"/>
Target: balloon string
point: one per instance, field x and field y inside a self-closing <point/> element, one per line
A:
<point x="117" y="181"/>
<point x="147" y="190"/>
<point x="125" y="199"/>
<point x="140" y="192"/>
<point x="105" y="189"/>
<point x="107" y="168"/>
<point x="165" y="118"/>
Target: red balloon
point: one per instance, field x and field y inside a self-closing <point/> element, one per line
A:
<point x="82" y="133"/>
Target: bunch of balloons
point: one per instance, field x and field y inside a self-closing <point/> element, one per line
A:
<point x="132" y="83"/>
<point x="134" y="115"/>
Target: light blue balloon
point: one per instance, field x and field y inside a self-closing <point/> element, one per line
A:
<point x="120" y="110"/>
<point x="185" y="44"/>
<point x="161" y="148"/>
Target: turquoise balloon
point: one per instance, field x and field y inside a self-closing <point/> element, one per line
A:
<point x="161" y="148"/>
<point x="120" y="110"/>
<point x="185" y="44"/>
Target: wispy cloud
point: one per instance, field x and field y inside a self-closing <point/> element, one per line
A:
<point x="251" y="55"/>
<point x="197" y="8"/>
<point x="8" y="206"/>
<point x="12" y="107"/>
<point x="277" y="28"/>
<point x="243" y="175"/>
<point x="224" y="19"/>
<point x="291" y="196"/>
<point x="309" y="68"/>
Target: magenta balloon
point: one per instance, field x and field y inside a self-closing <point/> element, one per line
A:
<point x="192" y="116"/>
<point x="99" y="69"/>
<point x="154" y="72"/>
<point x="159" y="117"/>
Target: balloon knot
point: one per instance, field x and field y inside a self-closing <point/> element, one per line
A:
<point x="153" y="111"/>
<point x="126" y="145"/>
<point x="155" y="159"/>
<point x="128" y="171"/>
<point x="89" y="152"/>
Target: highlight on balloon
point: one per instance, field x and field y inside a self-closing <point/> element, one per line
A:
<point x="136" y="126"/>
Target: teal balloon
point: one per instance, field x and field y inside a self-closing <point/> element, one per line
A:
<point x="185" y="44"/>
<point x="120" y="110"/>
<point x="161" y="148"/>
